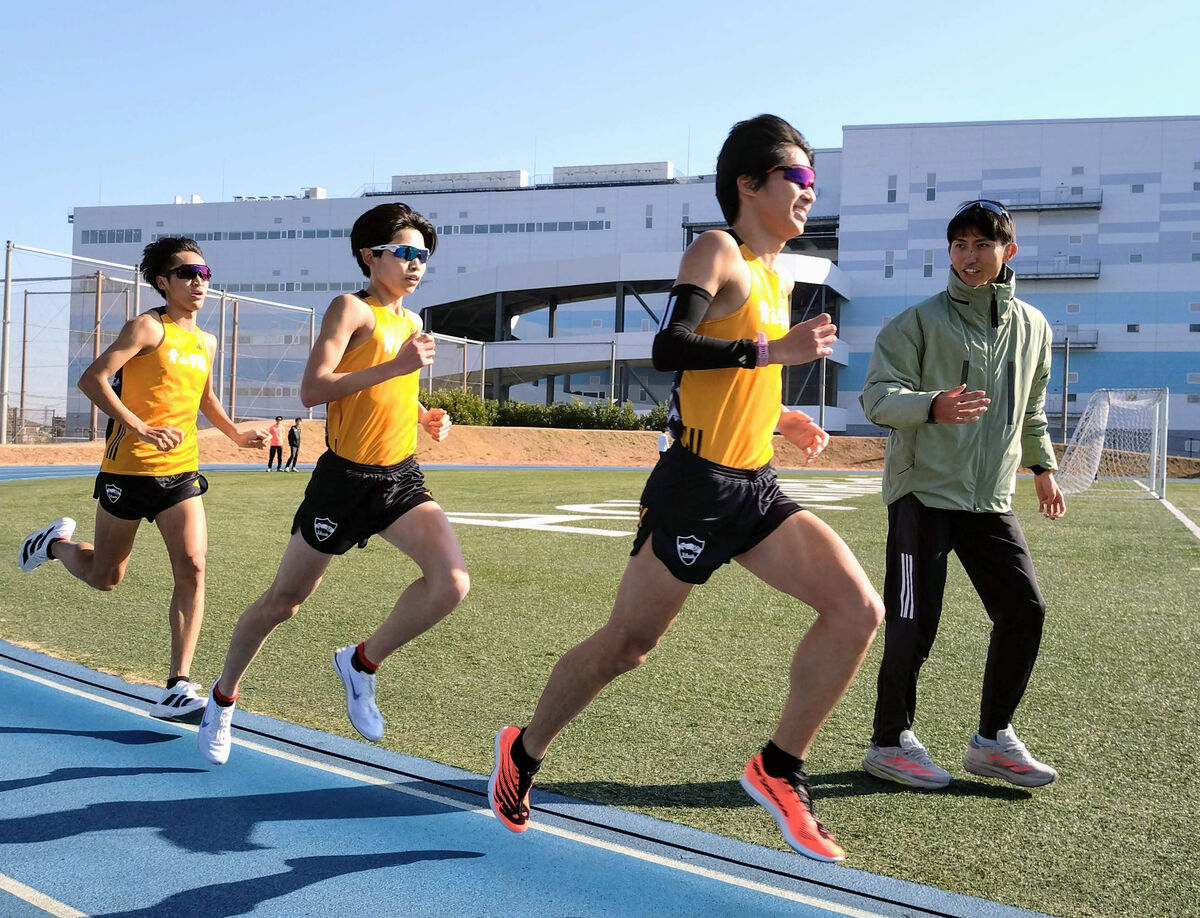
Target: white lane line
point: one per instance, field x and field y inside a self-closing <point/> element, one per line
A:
<point x="567" y="834"/>
<point x="1179" y="515"/>
<point x="37" y="899"/>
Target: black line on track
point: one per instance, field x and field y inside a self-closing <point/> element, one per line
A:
<point x="474" y="793"/>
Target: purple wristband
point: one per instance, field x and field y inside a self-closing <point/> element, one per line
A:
<point x="764" y="352"/>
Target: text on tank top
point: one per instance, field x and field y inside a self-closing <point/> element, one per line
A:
<point x="163" y="388"/>
<point x="728" y="415"/>
<point x="377" y="425"/>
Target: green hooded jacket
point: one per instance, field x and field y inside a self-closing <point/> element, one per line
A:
<point x="987" y="338"/>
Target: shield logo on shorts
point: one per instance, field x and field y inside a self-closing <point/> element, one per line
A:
<point x="323" y="528"/>
<point x="688" y="548"/>
<point x="112" y="492"/>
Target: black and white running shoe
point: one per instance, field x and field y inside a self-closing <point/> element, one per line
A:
<point x="178" y="702"/>
<point x="33" y="549"/>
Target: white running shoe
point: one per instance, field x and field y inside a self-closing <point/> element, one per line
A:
<point x="1009" y="760"/>
<point x="360" y="695"/>
<point x="178" y="702"/>
<point x="33" y="549"/>
<point x="909" y="763"/>
<point x="215" y="734"/>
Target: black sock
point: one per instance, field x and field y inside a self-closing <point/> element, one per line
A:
<point x="780" y="764"/>
<point x="50" y="547"/>
<point x="361" y="663"/>
<point x="522" y="759"/>
<point x="175" y="680"/>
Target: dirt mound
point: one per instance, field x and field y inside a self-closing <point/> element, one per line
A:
<point x="480" y="446"/>
<point x="514" y="446"/>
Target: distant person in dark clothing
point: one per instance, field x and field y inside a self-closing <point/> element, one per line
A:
<point x="294" y="445"/>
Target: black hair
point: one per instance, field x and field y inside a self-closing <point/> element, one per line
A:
<point x="751" y="148"/>
<point x="379" y="225"/>
<point x="984" y="222"/>
<point x="159" y="255"/>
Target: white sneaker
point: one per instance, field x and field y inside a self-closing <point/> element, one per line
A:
<point x="214" y="736"/>
<point x="360" y="695"/>
<point x="1008" y="760"/>
<point x="178" y="702"/>
<point x="907" y="763"/>
<point x="33" y="549"/>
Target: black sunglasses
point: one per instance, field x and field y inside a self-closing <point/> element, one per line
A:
<point x="993" y="206"/>
<point x="190" y="272"/>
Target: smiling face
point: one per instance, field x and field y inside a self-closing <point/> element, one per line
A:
<point x="977" y="260"/>
<point x="184" y="293"/>
<point x="397" y="275"/>
<point x="780" y="204"/>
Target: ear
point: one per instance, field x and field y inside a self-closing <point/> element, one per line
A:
<point x="747" y="186"/>
<point x="161" y="284"/>
<point x="1009" y="251"/>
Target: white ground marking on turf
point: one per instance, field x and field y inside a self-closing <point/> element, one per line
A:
<point x="38" y="900"/>
<point x="567" y="834"/>
<point x="1182" y="517"/>
<point x="813" y="493"/>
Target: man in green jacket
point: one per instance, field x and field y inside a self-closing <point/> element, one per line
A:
<point x="960" y="381"/>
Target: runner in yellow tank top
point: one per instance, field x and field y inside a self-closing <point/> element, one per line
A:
<point x="160" y="370"/>
<point x="713" y="496"/>
<point x="365" y="365"/>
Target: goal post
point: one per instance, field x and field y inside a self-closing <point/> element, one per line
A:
<point x="1119" y="446"/>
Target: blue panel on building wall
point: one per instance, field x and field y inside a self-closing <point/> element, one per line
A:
<point x="1014" y="173"/>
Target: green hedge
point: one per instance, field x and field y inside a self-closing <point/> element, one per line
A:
<point x="469" y="409"/>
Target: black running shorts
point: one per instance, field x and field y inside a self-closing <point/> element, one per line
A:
<point x="346" y="503"/>
<point x="134" y="497"/>
<point x="701" y="514"/>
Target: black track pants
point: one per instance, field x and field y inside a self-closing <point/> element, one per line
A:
<point x="993" y="552"/>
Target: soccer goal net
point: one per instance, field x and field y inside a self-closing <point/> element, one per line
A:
<point x="1119" y="446"/>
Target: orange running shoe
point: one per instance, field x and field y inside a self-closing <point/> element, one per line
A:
<point x="508" y="788"/>
<point x="790" y="805"/>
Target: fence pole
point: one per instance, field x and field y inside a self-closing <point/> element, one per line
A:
<point x="312" y="342"/>
<point x="612" y="374"/>
<point x="137" y="290"/>
<point x="219" y="370"/>
<point x="233" y="365"/>
<point x="127" y="315"/>
<point x="4" y="330"/>
<point x="466" y="347"/>
<point x="24" y="360"/>
<point x="92" y="433"/>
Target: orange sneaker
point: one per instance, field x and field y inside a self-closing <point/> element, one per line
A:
<point x="508" y="788"/>
<point x="790" y="805"/>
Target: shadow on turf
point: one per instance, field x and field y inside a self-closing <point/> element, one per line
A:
<point x="729" y="794"/>
<point x="123" y="737"/>
<point x="240" y="897"/>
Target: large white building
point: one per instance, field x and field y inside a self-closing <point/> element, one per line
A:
<point x="568" y="274"/>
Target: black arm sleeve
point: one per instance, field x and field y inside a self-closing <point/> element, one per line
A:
<point x="677" y="347"/>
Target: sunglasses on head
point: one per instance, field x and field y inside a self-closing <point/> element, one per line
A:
<point x="404" y="252"/>
<point x="994" y="207"/>
<point x="804" y="176"/>
<point x="190" y="272"/>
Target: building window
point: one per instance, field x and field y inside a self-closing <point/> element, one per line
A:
<point x="931" y="186"/>
<point x="275" y="273"/>
<point x="1074" y="259"/>
<point x="1194" y="327"/>
<point x="1193" y="307"/>
<point x="306" y="219"/>
<point x="462" y="269"/>
<point x="1137" y="188"/>
<point x="927" y="267"/>
<point x="649" y="216"/>
<point x="1072" y="377"/>
<point x="1193" y="400"/>
<point x="597" y="323"/>
<point x="1077" y="170"/>
<point x="1071" y="396"/>
<point x="1195" y="256"/>
<point x="432" y="215"/>
<point x="462" y="215"/>
<point x="158" y="223"/>
<point x="600" y="209"/>
<point x="1193" y="379"/>
<point x="889" y="263"/>
<point x="1135" y="258"/>
<point x="1133" y="328"/>
<point x="1075" y="240"/>
<point x="891" y="189"/>
<point x="1072" y="309"/>
<point x="1195" y="186"/>
<point x="304" y="272"/>
<point x="279" y="219"/>
<point x="1076" y="190"/>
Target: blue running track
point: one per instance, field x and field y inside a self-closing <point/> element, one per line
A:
<point x="107" y="812"/>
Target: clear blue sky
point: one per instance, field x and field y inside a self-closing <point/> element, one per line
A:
<point x="135" y="102"/>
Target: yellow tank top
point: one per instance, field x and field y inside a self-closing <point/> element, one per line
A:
<point x="163" y="388"/>
<point x="377" y="426"/>
<point x="728" y="415"/>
